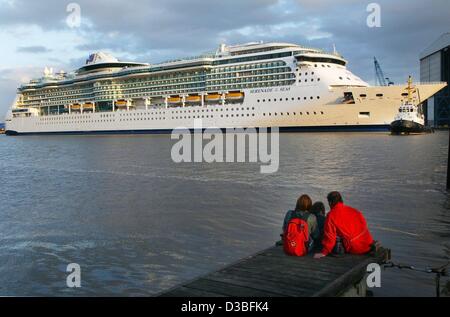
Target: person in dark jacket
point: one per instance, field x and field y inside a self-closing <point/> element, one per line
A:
<point x="302" y="211"/>
<point x="318" y="209"/>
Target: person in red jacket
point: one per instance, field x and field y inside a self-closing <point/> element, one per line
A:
<point x="347" y="224"/>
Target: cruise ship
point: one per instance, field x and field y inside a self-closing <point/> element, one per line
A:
<point x="253" y="85"/>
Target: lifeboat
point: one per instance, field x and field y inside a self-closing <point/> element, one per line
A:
<point x="174" y="99"/>
<point x="76" y="106"/>
<point x="121" y="103"/>
<point x="88" y="105"/>
<point x="234" y="96"/>
<point x="193" y="99"/>
<point x="213" y="97"/>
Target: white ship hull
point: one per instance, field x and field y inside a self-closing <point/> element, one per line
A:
<point x="284" y="110"/>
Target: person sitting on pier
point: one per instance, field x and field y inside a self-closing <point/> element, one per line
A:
<point x="346" y="224"/>
<point x="304" y="204"/>
<point x="318" y="209"/>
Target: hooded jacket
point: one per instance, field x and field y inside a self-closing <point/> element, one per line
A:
<point x="349" y="224"/>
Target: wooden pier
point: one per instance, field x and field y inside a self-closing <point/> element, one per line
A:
<point x="271" y="273"/>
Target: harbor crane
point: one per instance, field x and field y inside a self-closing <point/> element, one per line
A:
<point x="380" y="79"/>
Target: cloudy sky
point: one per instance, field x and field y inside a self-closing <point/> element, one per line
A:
<point x="35" y="34"/>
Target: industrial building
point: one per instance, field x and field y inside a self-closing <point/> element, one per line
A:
<point x="435" y="66"/>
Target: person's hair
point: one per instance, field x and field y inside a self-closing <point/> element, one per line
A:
<point x="318" y="208"/>
<point x="304" y="203"/>
<point x="334" y="198"/>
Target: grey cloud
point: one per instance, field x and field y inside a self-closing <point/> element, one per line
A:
<point x="48" y="14"/>
<point x="180" y="26"/>
<point x="33" y="49"/>
<point x="9" y="81"/>
<point x="152" y="31"/>
<point x="403" y="35"/>
<point x="7" y="92"/>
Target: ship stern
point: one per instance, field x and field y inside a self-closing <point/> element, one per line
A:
<point x="9" y="129"/>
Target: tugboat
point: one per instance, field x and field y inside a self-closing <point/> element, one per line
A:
<point x="410" y="117"/>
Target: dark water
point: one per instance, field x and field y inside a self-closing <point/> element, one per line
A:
<point x="138" y="223"/>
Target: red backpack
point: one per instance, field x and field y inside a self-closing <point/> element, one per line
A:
<point x="295" y="238"/>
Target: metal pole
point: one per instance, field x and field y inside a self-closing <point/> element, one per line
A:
<point x="438" y="285"/>
<point x="448" y="161"/>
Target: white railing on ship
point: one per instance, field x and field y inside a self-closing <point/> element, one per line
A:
<point x="416" y="83"/>
<point x="199" y="57"/>
<point x="431" y="83"/>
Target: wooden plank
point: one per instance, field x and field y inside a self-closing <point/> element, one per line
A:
<point x="183" y="291"/>
<point x="279" y="255"/>
<point x="298" y="265"/>
<point x="352" y="276"/>
<point x="309" y="260"/>
<point x="228" y="289"/>
<point x="285" y="280"/>
<point x="271" y="273"/>
<point x="282" y="289"/>
<point x="262" y="263"/>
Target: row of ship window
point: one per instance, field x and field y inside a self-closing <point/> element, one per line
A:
<point x="251" y="83"/>
<point x="188" y="117"/>
<point x="235" y="80"/>
<point x="294" y="113"/>
<point x="134" y="114"/>
<point x="287" y="99"/>
<point x="164" y="79"/>
<point x="230" y="61"/>
<point x="154" y="83"/>
<point x="216" y="109"/>
<point x="248" y="66"/>
<point x="318" y="79"/>
<point x="231" y="82"/>
<point x="207" y="77"/>
<point x="254" y="85"/>
<point x="306" y="80"/>
<point x="250" y="72"/>
<point x="71" y="121"/>
<point x="67" y="96"/>
<point x="186" y="89"/>
<point x="250" y="79"/>
<point x="157" y="83"/>
<point x="215" y="71"/>
<point x="219" y="73"/>
<point x="56" y="92"/>
<point x="180" y="77"/>
<point x="139" y="92"/>
<point x="176" y="118"/>
<point x="323" y="65"/>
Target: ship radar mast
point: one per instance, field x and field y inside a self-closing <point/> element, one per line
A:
<point x="411" y="89"/>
